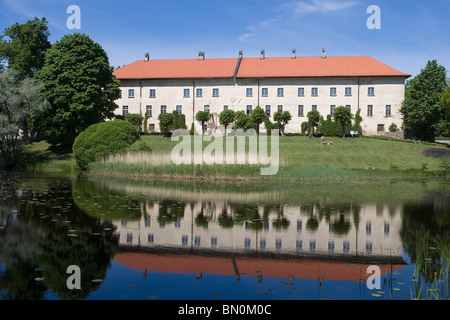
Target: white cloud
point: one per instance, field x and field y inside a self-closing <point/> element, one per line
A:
<point x="294" y="9"/>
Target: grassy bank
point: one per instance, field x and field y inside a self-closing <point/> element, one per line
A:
<point x="301" y="159"/>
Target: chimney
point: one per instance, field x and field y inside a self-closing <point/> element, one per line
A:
<point x="323" y="54"/>
<point x="263" y="54"/>
<point x="201" y="56"/>
<point x="294" y="54"/>
<point x="241" y="54"/>
<point x="147" y="57"/>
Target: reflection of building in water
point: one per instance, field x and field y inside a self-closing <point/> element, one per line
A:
<point x="368" y="230"/>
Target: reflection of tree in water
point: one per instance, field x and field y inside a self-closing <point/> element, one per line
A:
<point x="280" y="222"/>
<point x="170" y="211"/>
<point x="44" y="223"/>
<point x="225" y="218"/>
<point x="426" y="235"/>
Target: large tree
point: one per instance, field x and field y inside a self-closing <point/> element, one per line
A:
<point x="343" y="116"/>
<point x="23" y="47"/>
<point x="79" y="85"/>
<point x="21" y="103"/>
<point x="423" y="108"/>
<point x="202" y="116"/>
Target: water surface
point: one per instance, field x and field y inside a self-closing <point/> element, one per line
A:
<point x="170" y="241"/>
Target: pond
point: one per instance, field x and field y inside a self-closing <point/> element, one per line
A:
<point x="147" y="240"/>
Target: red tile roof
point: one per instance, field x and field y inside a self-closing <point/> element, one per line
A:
<point x="178" y="69"/>
<point x="257" y="68"/>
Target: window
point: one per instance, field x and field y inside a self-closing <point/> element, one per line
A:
<point x="331" y="246"/>
<point x="184" y="240"/>
<point x="249" y="92"/>
<point x="371" y="91"/>
<point x="148" y="111"/>
<point x="152" y="93"/>
<point x="150" y="238"/>
<point x="163" y="109"/>
<point x="312" y="245"/>
<point x="387" y="229"/>
<point x="249" y="109"/>
<point x="332" y="107"/>
<point x="199" y="92"/>
<point x="298" y="245"/>
<point x="368" y="229"/>
<point x="388" y="111"/>
<point x="370" y="110"/>
<point x="264" y="92"/>
<point x="301" y="92"/>
<point x="278" y="244"/>
<point x="151" y="127"/>
<point x="129" y="237"/>
<point x="346" y="247"/>
<point x="348" y="91"/>
<point x="314" y="92"/>
<point x="268" y="110"/>
<point x="369" y="247"/>
<point x="186" y="93"/>
<point x="197" y="241"/>
<point x="300" y="111"/>
<point x="213" y="242"/>
<point x="207" y="108"/>
<point x="314" y="107"/>
<point x="333" y="91"/>
<point x="299" y="225"/>
<point x="247" y="243"/>
<point x="215" y="92"/>
<point x="124" y="110"/>
<point x="130" y="93"/>
<point x="280" y="92"/>
<point x="349" y="107"/>
<point x="380" y="128"/>
<point x="147" y="221"/>
<point x="262" y="244"/>
<point x="179" y="109"/>
<point x="225" y="107"/>
<point x="280" y="108"/>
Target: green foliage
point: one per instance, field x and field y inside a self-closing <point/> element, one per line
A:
<point x="313" y="120"/>
<point x="25" y="50"/>
<point x="343" y="116"/>
<point x="179" y="121"/>
<point x="393" y="128"/>
<point x="244" y="121"/>
<point x="423" y="108"/>
<point x="165" y="123"/>
<point x="102" y="140"/>
<point x="329" y="127"/>
<point x="258" y="116"/>
<point x="305" y="127"/>
<point x="21" y="104"/>
<point x="79" y="85"/>
<point x="357" y="124"/>
<point x="192" y="131"/>
<point x="202" y="116"/>
<point x="227" y="117"/>
<point x="282" y="119"/>
<point x="269" y="125"/>
<point x="136" y="120"/>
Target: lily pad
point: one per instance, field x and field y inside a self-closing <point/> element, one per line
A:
<point x="376" y="295"/>
<point x="39" y="279"/>
<point x="97" y="280"/>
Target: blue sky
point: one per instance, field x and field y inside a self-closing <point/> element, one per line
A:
<point x="412" y="31"/>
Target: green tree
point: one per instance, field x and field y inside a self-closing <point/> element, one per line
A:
<point x="202" y="116"/>
<point x="258" y="116"/>
<point x="313" y="120"/>
<point x="243" y="121"/>
<point x="423" y="109"/>
<point x="445" y="127"/>
<point x="179" y="120"/>
<point x="136" y="120"/>
<point x="165" y="123"/>
<point x="79" y="85"/>
<point x="20" y="104"/>
<point x="25" y="50"/>
<point x="282" y="119"/>
<point x="227" y="117"/>
<point x="343" y="116"/>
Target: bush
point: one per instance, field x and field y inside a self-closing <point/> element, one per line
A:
<point x="135" y="119"/>
<point x="393" y="128"/>
<point x="102" y="140"/>
<point x="329" y="127"/>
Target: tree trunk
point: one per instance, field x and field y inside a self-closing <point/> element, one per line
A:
<point x="343" y="132"/>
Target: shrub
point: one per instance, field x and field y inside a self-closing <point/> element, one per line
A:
<point x="329" y="127"/>
<point x="135" y="119"/>
<point x="393" y="128"/>
<point x="102" y="140"/>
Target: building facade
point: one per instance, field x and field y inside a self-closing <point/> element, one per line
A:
<point x="294" y="84"/>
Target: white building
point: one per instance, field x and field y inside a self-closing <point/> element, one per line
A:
<point x="294" y="84"/>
